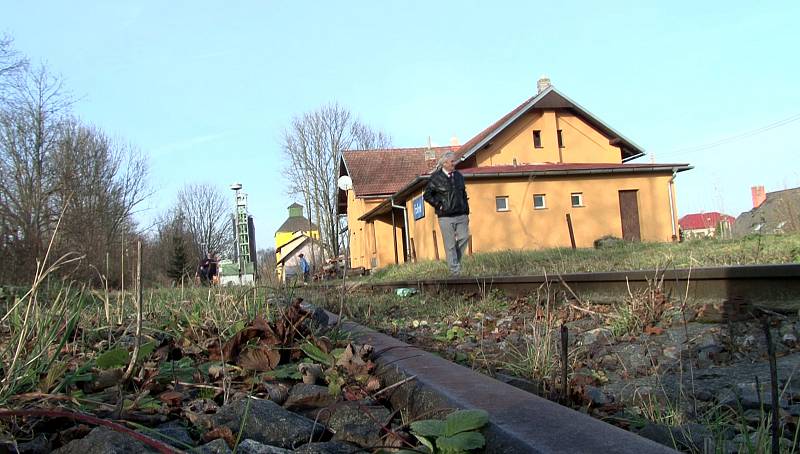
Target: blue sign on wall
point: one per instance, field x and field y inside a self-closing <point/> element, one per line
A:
<point x="419" y="208"/>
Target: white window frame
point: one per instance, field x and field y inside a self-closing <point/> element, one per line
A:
<point x="501" y="197"/>
<point x="580" y="199"/>
<point x="544" y="202"/>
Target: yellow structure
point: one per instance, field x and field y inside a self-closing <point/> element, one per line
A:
<point x="293" y="236"/>
<point x="548" y="174"/>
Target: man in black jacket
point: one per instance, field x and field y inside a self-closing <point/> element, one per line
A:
<point x="447" y="193"/>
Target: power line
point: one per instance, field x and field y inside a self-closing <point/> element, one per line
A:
<point x="736" y="137"/>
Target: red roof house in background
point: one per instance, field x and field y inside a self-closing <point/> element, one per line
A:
<point x="698" y="225"/>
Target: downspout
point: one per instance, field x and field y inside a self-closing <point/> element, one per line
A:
<point x="671" y="191"/>
<point x="405" y="226"/>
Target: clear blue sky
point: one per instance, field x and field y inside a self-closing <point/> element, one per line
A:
<point x="206" y="90"/>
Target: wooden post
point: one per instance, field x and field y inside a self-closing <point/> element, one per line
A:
<point x="564" y="362"/>
<point x="435" y="245"/>
<point x="470" y="245"/>
<point x="413" y="251"/>
<point x="571" y="233"/>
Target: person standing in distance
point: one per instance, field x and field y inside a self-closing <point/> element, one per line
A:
<point x="447" y="194"/>
<point x="304" y="267"/>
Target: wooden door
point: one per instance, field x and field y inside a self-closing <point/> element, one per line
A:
<point x="629" y="214"/>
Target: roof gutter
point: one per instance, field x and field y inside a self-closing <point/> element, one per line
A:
<point x="575" y="172"/>
<point x="411" y="186"/>
<point x="390" y="201"/>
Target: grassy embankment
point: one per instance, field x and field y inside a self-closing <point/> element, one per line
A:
<point x="756" y="249"/>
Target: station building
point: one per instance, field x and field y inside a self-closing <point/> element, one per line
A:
<point x="547" y="174"/>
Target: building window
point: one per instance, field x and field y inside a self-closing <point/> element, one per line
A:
<point x="560" y="140"/>
<point x="537" y="139"/>
<point x="501" y="203"/>
<point x="577" y="199"/>
<point x="539" y="202"/>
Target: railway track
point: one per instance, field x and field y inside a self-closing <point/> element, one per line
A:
<point x="773" y="286"/>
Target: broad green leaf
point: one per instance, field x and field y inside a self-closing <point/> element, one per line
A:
<point x="461" y="442"/>
<point x="183" y="370"/>
<point x="78" y="378"/>
<point x="428" y="428"/>
<point x="149" y="403"/>
<point x="285" y="371"/>
<point x="145" y="350"/>
<point x="116" y="357"/>
<point x="425" y="442"/>
<point x="316" y="354"/>
<point x="464" y="420"/>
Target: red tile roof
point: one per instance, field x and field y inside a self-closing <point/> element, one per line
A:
<point x="384" y="172"/>
<point x="704" y="220"/>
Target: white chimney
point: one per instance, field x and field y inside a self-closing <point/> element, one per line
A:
<point x="542" y="83"/>
<point x="430" y="155"/>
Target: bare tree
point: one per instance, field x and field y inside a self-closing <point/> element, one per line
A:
<point x="11" y="64"/>
<point x="51" y="167"/>
<point x="104" y="181"/>
<point x="29" y="128"/>
<point x="313" y="146"/>
<point x="207" y="214"/>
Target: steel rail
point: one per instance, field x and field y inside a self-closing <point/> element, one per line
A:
<point x="772" y="285"/>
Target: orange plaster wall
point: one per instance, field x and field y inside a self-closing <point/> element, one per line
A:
<point x="362" y="240"/>
<point x="523" y="227"/>
<point x="582" y="143"/>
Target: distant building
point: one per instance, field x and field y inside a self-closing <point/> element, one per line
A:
<point x="773" y="213"/>
<point x="706" y="225"/>
<point x="297" y="235"/>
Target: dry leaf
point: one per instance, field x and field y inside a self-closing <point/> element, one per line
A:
<point x="106" y="379"/>
<point x="261" y="359"/>
<point x="171" y="398"/>
<point x="220" y="432"/>
<point x="311" y="372"/>
<point x="215" y="372"/>
<point x="373" y="384"/>
<point x="258" y="329"/>
<point x="354" y="364"/>
<point x="324" y="344"/>
<point x="654" y="330"/>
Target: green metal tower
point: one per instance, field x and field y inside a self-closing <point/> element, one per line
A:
<point x="245" y="261"/>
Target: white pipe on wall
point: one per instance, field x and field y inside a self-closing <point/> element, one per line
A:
<point x="405" y="225"/>
<point x="671" y="192"/>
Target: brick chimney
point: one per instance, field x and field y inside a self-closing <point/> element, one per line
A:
<point x="758" y="195"/>
<point x="542" y="83"/>
<point x="430" y="156"/>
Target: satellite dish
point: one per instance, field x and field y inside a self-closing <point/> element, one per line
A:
<point x="345" y="183"/>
